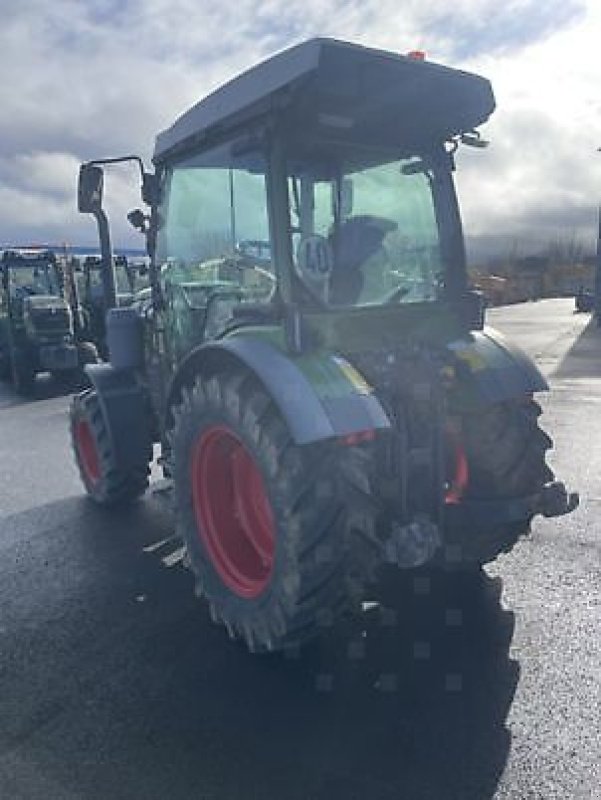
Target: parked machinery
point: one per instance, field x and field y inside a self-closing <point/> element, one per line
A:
<point x="38" y="326"/>
<point x="309" y="360"/>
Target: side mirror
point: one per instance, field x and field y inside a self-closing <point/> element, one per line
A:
<point x="473" y="139"/>
<point x="137" y="219"/>
<point x="89" y="188"/>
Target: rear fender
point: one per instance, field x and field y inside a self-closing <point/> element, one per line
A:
<point x="125" y="406"/>
<point x="490" y="369"/>
<point x="319" y="395"/>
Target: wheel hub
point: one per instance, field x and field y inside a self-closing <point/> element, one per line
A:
<point x="88" y="454"/>
<point x="234" y="517"/>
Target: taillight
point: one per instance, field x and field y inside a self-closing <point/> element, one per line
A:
<point x="358" y="438"/>
<point x="458" y="473"/>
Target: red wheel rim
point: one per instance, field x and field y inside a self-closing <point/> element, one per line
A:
<point x="88" y="454"/>
<point x="234" y="518"/>
<point x="458" y="480"/>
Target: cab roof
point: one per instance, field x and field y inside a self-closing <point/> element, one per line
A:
<point x="27" y="257"/>
<point x="331" y="88"/>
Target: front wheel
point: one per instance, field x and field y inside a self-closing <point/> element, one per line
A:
<point x="276" y="534"/>
<point x="106" y="481"/>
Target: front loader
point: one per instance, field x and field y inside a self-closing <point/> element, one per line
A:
<point x="324" y="394"/>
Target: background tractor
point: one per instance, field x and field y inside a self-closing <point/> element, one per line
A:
<point x="309" y="358"/>
<point x="40" y="329"/>
<point x="90" y="288"/>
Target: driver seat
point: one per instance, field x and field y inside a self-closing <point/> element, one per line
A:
<point x="355" y="242"/>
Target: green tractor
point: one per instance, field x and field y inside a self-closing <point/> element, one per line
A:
<point x="39" y="325"/>
<point x="91" y="291"/>
<point x="310" y="360"/>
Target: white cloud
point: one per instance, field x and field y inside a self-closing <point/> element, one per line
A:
<point x="102" y="78"/>
<point x="53" y="173"/>
<point x="542" y="172"/>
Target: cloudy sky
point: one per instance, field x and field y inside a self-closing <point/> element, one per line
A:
<point x="88" y="78"/>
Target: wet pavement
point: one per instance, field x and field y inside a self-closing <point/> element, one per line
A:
<point x="114" y="683"/>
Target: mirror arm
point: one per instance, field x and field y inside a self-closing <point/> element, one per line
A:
<point x="99" y="162"/>
<point x="158" y="299"/>
<point x="106" y="254"/>
<point x="150" y="195"/>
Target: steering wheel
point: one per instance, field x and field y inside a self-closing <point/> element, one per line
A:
<point x="247" y="259"/>
<point x="396" y="295"/>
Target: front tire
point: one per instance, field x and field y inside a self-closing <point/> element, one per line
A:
<point x="277" y="535"/>
<point x="106" y="482"/>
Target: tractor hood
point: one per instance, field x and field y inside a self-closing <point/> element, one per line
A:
<point x="47" y="315"/>
<point x="356" y="94"/>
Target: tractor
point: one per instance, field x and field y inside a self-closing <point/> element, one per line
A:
<point x="91" y="291"/>
<point x="309" y="363"/>
<point x="39" y="323"/>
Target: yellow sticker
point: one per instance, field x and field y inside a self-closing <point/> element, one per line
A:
<point x="473" y="359"/>
<point x="353" y="376"/>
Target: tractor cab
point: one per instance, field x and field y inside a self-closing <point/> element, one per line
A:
<point x="355" y="236"/>
<point x="91" y="293"/>
<point x="32" y="295"/>
<point x="319" y="181"/>
<point x="27" y="273"/>
<point x="91" y="280"/>
<point x="37" y="330"/>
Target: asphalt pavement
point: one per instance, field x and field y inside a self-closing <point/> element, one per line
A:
<point x="115" y="684"/>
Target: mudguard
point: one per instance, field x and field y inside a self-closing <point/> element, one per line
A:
<point x="490" y="369"/>
<point x="123" y="402"/>
<point x="319" y="395"/>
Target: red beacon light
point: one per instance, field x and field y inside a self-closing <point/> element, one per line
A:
<point x="417" y="55"/>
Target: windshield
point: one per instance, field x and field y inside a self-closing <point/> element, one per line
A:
<point x="125" y="276"/>
<point x="364" y="236"/>
<point x="40" y="279"/>
<point x="214" y="233"/>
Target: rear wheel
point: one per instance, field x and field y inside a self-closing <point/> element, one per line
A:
<point x="505" y="450"/>
<point x="278" y="536"/>
<point x="105" y="480"/>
